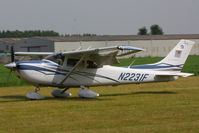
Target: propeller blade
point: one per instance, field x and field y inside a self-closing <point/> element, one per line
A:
<point x="9" y="76"/>
<point x="12" y="54"/>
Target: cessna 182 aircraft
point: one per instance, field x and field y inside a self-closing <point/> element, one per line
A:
<point x="91" y="67"/>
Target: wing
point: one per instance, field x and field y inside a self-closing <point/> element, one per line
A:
<point x="105" y="55"/>
<point x="33" y="53"/>
<point x="102" y="56"/>
<point x="124" y="50"/>
<point x="105" y="50"/>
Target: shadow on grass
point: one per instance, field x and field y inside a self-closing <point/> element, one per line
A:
<point x="75" y="99"/>
<point x="19" y="98"/>
<point x="140" y="92"/>
<point x="13" y="98"/>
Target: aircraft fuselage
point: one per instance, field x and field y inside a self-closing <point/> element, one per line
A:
<point x="47" y="73"/>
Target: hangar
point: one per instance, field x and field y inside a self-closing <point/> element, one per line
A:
<point x="155" y="45"/>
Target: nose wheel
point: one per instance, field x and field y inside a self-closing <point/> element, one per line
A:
<point x="34" y="95"/>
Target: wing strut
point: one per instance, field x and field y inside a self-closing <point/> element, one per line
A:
<point x="78" y="63"/>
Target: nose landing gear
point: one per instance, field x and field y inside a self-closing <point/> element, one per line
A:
<point x="34" y="95"/>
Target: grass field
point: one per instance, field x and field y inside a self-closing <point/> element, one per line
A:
<point x="191" y="66"/>
<point x="151" y="107"/>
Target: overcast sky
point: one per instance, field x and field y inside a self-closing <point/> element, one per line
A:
<point x="100" y="16"/>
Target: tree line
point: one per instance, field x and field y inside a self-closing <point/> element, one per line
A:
<point x="154" y="30"/>
<point x="27" y="33"/>
<point x="36" y="33"/>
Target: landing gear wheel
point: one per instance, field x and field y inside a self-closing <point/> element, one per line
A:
<point x="85" y="93"/>
<point x="61" y="93"/>
<point x="34" y="95"/>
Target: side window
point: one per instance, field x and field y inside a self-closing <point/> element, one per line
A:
<point x="72" y="62"/>
<point x="91" y="64"/>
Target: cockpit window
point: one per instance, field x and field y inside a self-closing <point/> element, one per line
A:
<point x="72" y="62"/>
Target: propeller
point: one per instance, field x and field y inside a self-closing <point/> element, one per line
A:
<point x="12" y="64"/>
<point x="12" y="56"/>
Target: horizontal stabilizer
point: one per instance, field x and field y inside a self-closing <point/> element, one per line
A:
<point x="174" y="74"/>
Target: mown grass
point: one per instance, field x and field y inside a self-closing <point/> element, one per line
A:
<point x="151" y="107"/>
<point x="191" y="66"/>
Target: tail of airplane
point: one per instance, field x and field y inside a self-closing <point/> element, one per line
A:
<point x="174" y="61"/>
<point x="176" y="58"/>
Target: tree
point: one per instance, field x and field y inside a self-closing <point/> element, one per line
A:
<point x="143" y="31"/>
<point x="27" y="33"/>
<point x="156" y="30"/>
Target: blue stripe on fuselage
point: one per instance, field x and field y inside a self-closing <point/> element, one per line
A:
<point x="35" y="68"/>
<point x="156" y="66"/>
<point x="40" y="69"/>
<point x="38" y="62"/>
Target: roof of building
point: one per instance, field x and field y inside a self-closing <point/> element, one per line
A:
<point x="11" y="40"/>
<point x="109" y="38"/>
<point x="122" y="37"/>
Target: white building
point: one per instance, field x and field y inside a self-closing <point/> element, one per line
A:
<point x="155" y="45"/>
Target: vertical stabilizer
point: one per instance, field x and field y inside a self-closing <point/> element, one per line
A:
<point x="178" y="55"/>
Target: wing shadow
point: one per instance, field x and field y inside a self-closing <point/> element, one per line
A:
<point x="140" y="92"/>
<point x="20" y="98"/>
<point x="76" y="99"/>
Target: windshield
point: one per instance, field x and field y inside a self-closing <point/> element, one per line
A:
<point x="57" y="58"/>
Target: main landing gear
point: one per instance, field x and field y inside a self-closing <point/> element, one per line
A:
<point x="34" y="95"/>
<point x="85" y="93"/>
<point x="59" y="93"/>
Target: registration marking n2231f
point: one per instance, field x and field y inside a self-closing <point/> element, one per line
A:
<point x="133" y="76"/>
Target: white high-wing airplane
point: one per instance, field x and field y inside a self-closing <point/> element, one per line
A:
<point x="91" y="67"/>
